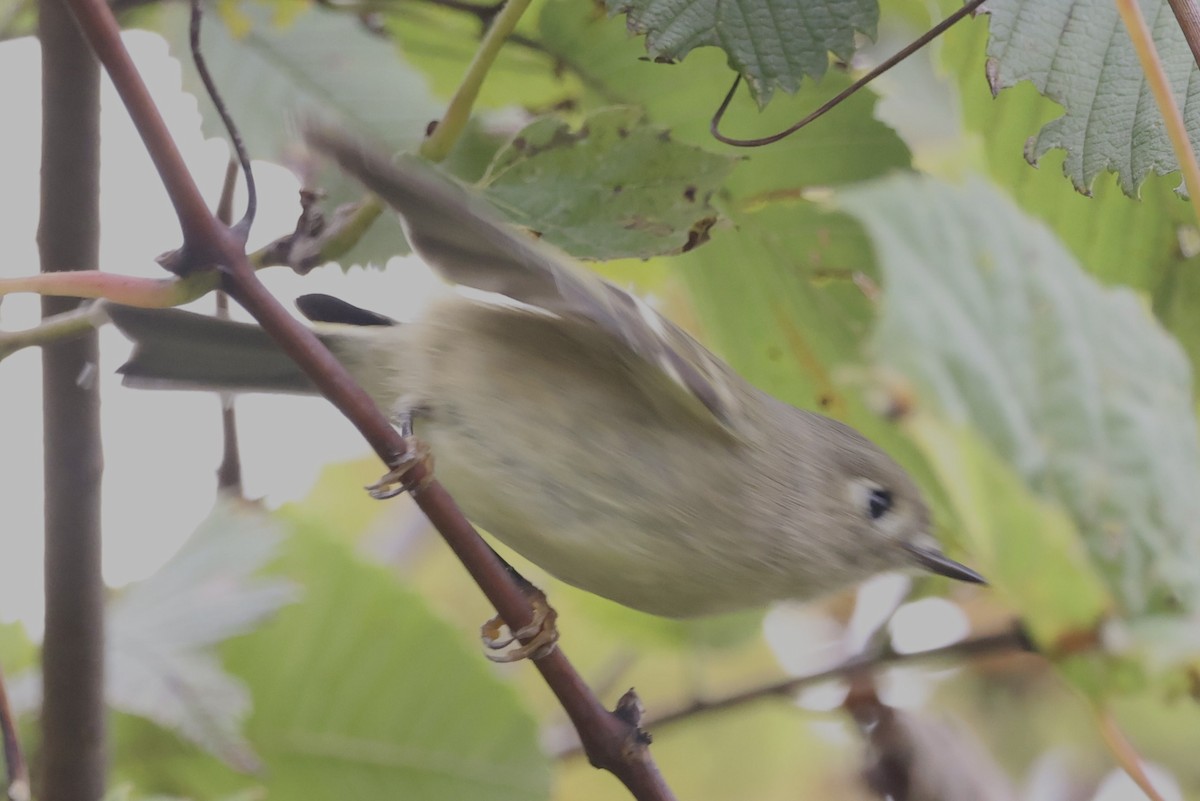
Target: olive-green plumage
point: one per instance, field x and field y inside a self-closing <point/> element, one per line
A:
<point x="580" y="427"/>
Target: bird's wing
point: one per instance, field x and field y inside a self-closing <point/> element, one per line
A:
<point x="463" y="237"/>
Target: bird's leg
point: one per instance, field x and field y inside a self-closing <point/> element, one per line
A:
<point x="532" y="641"/>
<point x="398" y="479"/>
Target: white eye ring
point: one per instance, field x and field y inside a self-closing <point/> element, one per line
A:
<point x="879" y="503"/>
<point x="875" y="503"/>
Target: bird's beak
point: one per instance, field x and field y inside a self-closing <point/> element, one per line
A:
<point x="934" y="561"/>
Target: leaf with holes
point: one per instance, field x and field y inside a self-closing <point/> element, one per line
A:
<point x="613" y="188"/>
<point x="773" y="44"/>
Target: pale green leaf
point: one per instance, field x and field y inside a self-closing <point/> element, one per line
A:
<point x="374" y="692"/>
<point x="772" y="43"/>
<point x="1078" y="53"/>
<point x="161" y="662"/>
<point x="1073" y="385"/>
<point x="19" y="665"/>
<point x="612" y="188"/>
<point x="442" y="40"/>
<point x="360" y="692"/>
<point x="17" y="652"/>
<point x="321" y="64"/>
<point x="127" y="792"/>
<point x="17" y="18"/>
<point x="1026" y="547"/>
<point x="1135" y="244"/>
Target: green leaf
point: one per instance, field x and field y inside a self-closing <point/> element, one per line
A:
<point x="17" y="652"/>
<point x="19" y="664"/>
<point x="794" y="264"/>
<point x="771" y="43"/>
<point x="442" y="41"/>
<point x="322" y="64"/>
<point x="161" y="631"/>
<point x="613" y="188"/>
<point x="1135" y="244"/>
<point x="375" y="692"/>
<point x="1073" y="385"/>
<point x="849" y="146"/>
<point x="1078" y="54"/>
<point x="1115" y="240"/>
<point x="17" y="18"/>
<point x="127" y="792"/>
<point x="359" y="691"/>
<point x="1026" y="547"/>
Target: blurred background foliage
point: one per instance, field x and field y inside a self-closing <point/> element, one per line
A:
<point x="1025" y="350"/>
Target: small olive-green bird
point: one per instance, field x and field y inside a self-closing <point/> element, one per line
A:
<point x="579" y="426"/>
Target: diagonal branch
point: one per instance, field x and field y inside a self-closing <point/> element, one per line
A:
<point x="1124" y="753"/>
<point x="612" y="741"/>
<point x="1188" y="14"/>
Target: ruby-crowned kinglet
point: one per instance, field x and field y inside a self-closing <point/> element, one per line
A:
<point x="579" y="426"/>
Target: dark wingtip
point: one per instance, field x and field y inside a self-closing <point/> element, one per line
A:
<point x="935" y="562"/>
<point x="328" y="309"/>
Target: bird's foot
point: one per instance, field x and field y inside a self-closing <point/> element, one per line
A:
<point x="532" y="641"/>
<point x="400" y="478"/>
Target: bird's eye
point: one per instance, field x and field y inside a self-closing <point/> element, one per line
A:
<point x="879" y="502"/>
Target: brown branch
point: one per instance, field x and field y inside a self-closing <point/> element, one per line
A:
<point x="1013" y="639"/>
<point x="74" y="743"/>
<point x="204" y="239"/>
<point x="1188" y="15"/>
<point x="1124" y="752"/>
<point x="14" y="759"/>
<point x="612" y="741"/>
<point x="229" y="472"/>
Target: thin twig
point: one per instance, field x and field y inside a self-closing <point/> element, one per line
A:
<point x="150" y="293"/>
<point x="439" y="143"/>
<point x="1013" y="639"/>
<point x="14" y="759"/>
<point x="926" y="38"/>
<point x="80" y="320"/>
<point x="239" y="147"/>
<point x="613" y="742"/>
<point x="1124" y="753"/>
<point x="229" y="472"/>
<point x="1160" y="87"/>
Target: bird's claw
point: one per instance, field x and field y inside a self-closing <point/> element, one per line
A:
<point x="399" y="479"/>
<point x="535" y="640"/>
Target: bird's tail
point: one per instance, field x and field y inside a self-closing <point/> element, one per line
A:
<point x="175" y="349"/>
